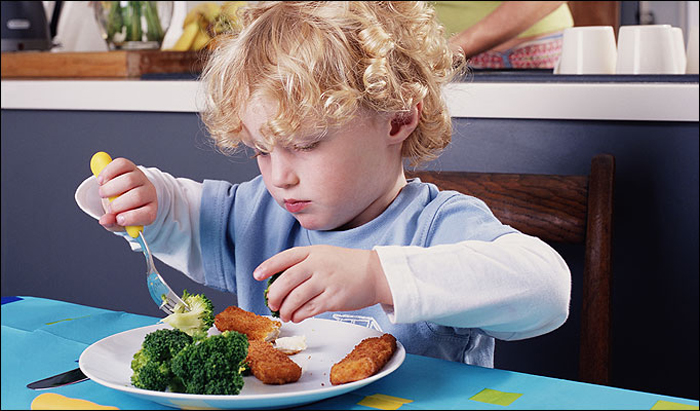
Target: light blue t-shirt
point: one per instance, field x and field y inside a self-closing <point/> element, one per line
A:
<point x="241" y="226"/>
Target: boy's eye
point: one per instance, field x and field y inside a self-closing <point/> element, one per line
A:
<point x="258" y="153"/>
<point x="306" y="147"/>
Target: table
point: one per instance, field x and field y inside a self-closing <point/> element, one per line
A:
<point x="43" y="337"/>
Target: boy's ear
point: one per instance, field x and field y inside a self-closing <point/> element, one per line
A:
<point x="402" y="125"/>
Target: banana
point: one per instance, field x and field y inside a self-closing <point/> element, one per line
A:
<point x="228" y="19"/>
<point x="186" y="40"/>
<point x="200" y="40"/>
<point x="229" y="8"/>
<point x="204" y="13"/>
<point x="205" y="21"/>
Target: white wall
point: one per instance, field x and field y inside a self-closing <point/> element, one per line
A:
<point x="683" y="14"/>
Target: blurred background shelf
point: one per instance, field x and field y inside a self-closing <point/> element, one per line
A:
<point x="110" y="64"/>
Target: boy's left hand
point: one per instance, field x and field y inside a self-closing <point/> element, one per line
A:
<point x="322" y="278"/>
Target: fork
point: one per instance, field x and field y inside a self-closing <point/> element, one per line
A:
<point x="160" y="291"/>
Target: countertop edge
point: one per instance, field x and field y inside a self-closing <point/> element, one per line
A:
<point x="566" y="101"/>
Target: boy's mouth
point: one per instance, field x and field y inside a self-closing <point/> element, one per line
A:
<point x="295" y="206"/>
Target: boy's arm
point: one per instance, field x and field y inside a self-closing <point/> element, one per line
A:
<point x="174" y="236"/>
<point x="512" y="288"/>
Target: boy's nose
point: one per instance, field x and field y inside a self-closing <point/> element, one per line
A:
<point x="281" y="171"/>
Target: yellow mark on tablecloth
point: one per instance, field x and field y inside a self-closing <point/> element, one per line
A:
<point x="193" y="405"/>
<point x="490" y="396"/>
<point x="67" y="319"/>
<point x="52" y="401"/>
<point x="383" y="402"/>
<point x="670" y="405"/>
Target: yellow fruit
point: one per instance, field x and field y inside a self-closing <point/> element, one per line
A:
<point x="204" y="13"/>
<point x="186" y="40"/>
<point x="200" y="40"/>
<point x="228" y="18"/>
<point x="229" y="9"/>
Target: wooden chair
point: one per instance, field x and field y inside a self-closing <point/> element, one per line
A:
<point x="559" y="209"/>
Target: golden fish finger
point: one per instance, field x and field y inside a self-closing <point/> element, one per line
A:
<point x="256" y="327"/>
<point x="365" y="360"/>
<point x="271" y="366"/>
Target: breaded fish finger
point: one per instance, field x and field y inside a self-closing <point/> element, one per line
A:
<point x="256" y="327"/>
<point x="365" y="360"/>
<point x="271" y="366"/>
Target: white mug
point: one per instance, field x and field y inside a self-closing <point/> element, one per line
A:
<point x="646" y="49"/>
<point x="679" y="45"/>
<point x="692" y="52"/>
<point x="587" y="50"/>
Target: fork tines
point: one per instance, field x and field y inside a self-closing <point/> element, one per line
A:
<point x="168" y="305"/>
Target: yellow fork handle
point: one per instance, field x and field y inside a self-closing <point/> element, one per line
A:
<point x="99" y="161"/>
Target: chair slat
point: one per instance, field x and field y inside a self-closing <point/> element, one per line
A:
<point x="563" y="209"/>
<point x="596" y="322"/>
<point x="550" y="207"/>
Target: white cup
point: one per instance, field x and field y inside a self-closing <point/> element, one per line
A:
<point x="692" y="52"/>
<point x="679" y="45"/>
<point x="646" y="49"/>
<point x="587" y="50"/>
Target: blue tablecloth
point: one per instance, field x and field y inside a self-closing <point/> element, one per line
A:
<point x="42" y="337"/>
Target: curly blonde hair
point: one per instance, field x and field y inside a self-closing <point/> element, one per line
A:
<point x="323" y="62"/>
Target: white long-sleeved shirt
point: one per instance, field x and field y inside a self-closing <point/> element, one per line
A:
<point x="458" y="277"/>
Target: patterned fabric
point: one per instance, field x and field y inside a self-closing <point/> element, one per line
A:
<point x="537" y="54"/>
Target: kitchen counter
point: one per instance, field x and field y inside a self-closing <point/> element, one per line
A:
<point x="528" y="96"/>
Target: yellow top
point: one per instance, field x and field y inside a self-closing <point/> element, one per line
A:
<point x="460" y="15"/>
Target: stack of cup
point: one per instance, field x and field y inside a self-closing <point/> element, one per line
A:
<point x="643" y="49"/>
<point x="650" y="49"/>
<point x="692" y="53"/>
<point x="587" y="50"/>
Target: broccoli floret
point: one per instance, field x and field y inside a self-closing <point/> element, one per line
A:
<point x="152" y="363"/>
<point x="213" y="365"/>
<point x="153" y="375"/>
<point x="271" y="280"/>
<point x="195" y="322"/>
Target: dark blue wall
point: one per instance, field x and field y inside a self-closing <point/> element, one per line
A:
<point x="51" y="249"/>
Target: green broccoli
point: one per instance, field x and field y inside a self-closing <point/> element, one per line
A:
<point x="195" y="322"/>
<point x="213" y="365"/>
<point x="152" y="363"/>
<point x="271" y="280"/>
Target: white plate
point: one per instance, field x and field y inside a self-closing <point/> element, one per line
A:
<point x="108" y="362"/>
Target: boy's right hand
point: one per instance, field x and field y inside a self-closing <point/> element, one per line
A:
<point x="137" y="201"/>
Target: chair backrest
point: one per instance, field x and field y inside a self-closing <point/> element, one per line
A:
<point x="559" y="209"/>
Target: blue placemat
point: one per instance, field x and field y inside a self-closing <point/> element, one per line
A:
<point x="41" y="338"/>
<point x="6" y="300"/>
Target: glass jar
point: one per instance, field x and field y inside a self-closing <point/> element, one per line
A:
<point x="133" y="25"/>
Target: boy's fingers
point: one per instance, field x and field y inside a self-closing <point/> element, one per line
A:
<point x="280" y="262"/>
<point x="138" y="216"/>
<point x="132" y="199"/>
<point x="120" y="184"/>
<point x="289" y="288"/>
<point x="109" y="222"/>
<point x="301" y="302"/>
<point x="312" y="307"/>
<point x="117" y="167"/>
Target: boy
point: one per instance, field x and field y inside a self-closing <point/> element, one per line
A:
<point x="332" y="97"/>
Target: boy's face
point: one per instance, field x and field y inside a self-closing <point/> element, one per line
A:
<point x="343" y="181"/>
